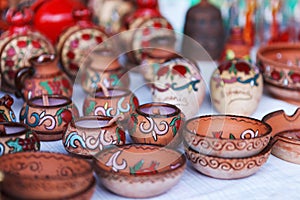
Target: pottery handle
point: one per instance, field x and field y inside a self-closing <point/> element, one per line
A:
<point x="20" y="77"/>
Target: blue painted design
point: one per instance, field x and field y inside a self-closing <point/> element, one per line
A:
<point x="123" y="110"/>
<point x="70" y="140"/>
<point x="109" y="110"/>
<point x="23" y="117"/>
<point x="14" y="144"/>
<point x="36" y="120"/>
<point x="2" y="149"/>
<point x="247" y="81"/>
<point x="95" y="80"/>
<point x="192" y="83"/>
<point x="12" y="116"/>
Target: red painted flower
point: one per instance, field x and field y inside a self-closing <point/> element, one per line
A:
<point x="74" y="44"/>
<point x="157" y="25"/>
<point x="71" y="55"/>
<point x="276" y="75"/>
<point x="11" y="52"/>
<point x="66" y="116"/>
<point x="65" y="83"/>
<point x="9" y="63"/>
<point x="73" y="67"/>
<point x="36" y="44"/>
<point x="11" y="74"/>
<point x="146" y="31"/>
<point x="55" y="87"/>
<point x="162" y="71"/>
<point x="295" y="77"/>
<point x="179" y="70"/>
<point x="99" y="39"/>
<point x="86" y="36"/>
<point x="22" y="44"/>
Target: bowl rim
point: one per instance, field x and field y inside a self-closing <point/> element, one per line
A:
<point x="67" y="102"/>
<point x="149" y="105"/>
<point x="186" y="130"/>
<point x="94" y="118"/>
<point x="15" y="134"/>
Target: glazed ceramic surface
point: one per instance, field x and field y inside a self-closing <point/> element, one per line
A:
<point x="16" y="137"/>
<point x="43" y="77"/>
<point x="227" y="136"/>
<point x="280" y="66"/>
<point x="48" y="121"/>
<point x="6" y="112"/>
<point x="179" y="82"/>
<point x="156" y="123"/>
<point x="44" y="175"/>
<point x="236" y="87"/>
<point x="286" y="133"/>
<point x="227" y="168"/>
<point x="86" y="136"/>
<point x="76" y="42"/>
<point x="139" y="171"/>
<point x="18" y="44"/>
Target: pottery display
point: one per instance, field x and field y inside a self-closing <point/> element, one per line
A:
<point x="156" y="123"/>
<point x="43" y="77"/>
<point x="17" y="137"/>
<point x="139" y="171"/>
<point x="6" y="112"/>
<point x="48" y="115"/>
<point x="179" y="82"/>
<point x="44" y="175"/>
<point x="285" y="131"/>
<point x="227" y="136"/>
<point x="18" y="44"/>
<point x="86" y="136"/>
<point x="102" y="68"/>
<point x="279" y="64"/>
<point x="77" y="41"/>
<point x="236" y="87"/>
<point x="204" y="24"/>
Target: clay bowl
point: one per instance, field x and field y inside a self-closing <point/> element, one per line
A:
<point x="88" y="135"/>
<point x="138" y="170"/>
<point x="227" y="136"/>
<point x="227" y="168"/>
<point x="286" y="133"/>
<point x="280" y="66"/>
<point x="44" y="175"/>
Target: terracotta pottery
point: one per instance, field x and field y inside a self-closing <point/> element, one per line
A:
<point x="77" y="41"/>
<point x="236" y="87"/>
<point x="179" y="82"/>
<point x="43" y="77"/>
<point x="18" y="44"/>
<point x="17" y="137"/>
<point x="86" y="136"/>
<point x="156" y="123"/>
<point x="227" y="136"/>
<point x="279" y="64"/>
<point x="286" y="133"/>
<point x="6" y="112"/>
<point x="102" y="68"/>
<point x="50" y="20"/>
<point x="48" y="115"/>
<point x="227" y="168"/>
<point x="44" y="175"/>
<point x="139" y="171"/>
<point x="111" y="103"/>
<point x="204" y="24"/>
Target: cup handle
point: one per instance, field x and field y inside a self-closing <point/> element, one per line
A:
<point x="21" y="75"/>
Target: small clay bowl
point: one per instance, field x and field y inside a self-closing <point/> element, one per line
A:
<point x="227" y="168"/>
<point x="139" y="171"/>
<point x="227" y="136"/>
<point x="88" y="135"/>
<point x="44" y="175"/>
<point x="286" y="133"/>
<point x="156" y="123"/>
<point x="16" y="137"/>
<point x="48" y="115"/>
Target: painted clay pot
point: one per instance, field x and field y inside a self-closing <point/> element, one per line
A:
<point x="236" y="87"/>
<point x="103" y="68"/>
<point x="179" y="82"/>
<point x="44" y="175"/>
<point x="43" y="77"/>
<point x="279" y="64"/>
<point x="111" y="103"/>
<point x="6" y="112"/>
<point x="77" y="41"/>
<point x="86" y="136"/>
<point x="139" y="171"/>
<point x="156" y="123"/>
<point x="17" y="137"/>
<point x="48" y="115"/>
<point x="18" y="44"/>
<point x="285" y="130"/>
<point x="227" y="136"/>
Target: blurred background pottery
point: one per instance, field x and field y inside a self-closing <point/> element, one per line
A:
<point x="17" y="137"/>
<point x="236" y="87"/>
<point x="44" y="175"/>
<point x="279" y="64"/>
<point x="43" y="77"/>
<point x="139" y="171"/>
<point x="156" y="123"/>
<point x="6" y="112"/>
<point x="18" y="44"/>
<point x="48" y="115"/>
<point x="86" y="136"/>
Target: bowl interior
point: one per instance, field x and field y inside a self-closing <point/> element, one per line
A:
<point x="139" y="159"/>
<point x="227" y="127"/>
